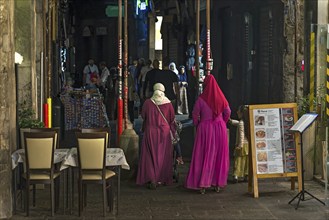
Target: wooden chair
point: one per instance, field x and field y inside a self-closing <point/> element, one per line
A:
<point x="56" y="129"/>
<point x="39" y="161"/>
<point x="92" y="166"/>
<point x="105" y="129"/>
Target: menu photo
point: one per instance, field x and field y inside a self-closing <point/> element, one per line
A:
<point x="291" y="166"/>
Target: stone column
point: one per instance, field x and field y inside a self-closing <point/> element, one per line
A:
<point x="7" y="104"/>
<point x="294" y="53"/>
<point x="151" y="36"/>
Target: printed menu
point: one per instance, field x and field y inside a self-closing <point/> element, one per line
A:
<point x="275" y="145"/>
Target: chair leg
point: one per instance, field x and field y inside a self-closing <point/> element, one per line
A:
<point x="34" y="189"/>
<point x="80" y="195"/>
<point x="27" y="197"/>
<point x="104" y="198"/>
<point x="110" y="196"/>
<point x="84" y="195"/>
<point x="52" y="196"/>
<point x="57" y="192"/>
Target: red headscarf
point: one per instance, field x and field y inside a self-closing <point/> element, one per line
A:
<point x="213" y="95"/>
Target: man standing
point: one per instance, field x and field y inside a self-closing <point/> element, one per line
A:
<point x="150" y="80"/>
<point x="170" y="80"/>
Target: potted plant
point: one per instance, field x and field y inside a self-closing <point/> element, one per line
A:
<point x="27" y="120"/>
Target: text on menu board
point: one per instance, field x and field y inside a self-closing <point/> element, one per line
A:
<point x="275" y="145"/>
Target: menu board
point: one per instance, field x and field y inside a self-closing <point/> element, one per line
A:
<point x="275" y="146"/>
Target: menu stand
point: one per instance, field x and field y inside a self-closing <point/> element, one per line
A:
<point x="301" y="125"/>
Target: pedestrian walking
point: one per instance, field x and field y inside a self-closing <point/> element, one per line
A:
<point x="240" y="169"/>
<point x="156" y="159"/>
<point x="210" y="158"/>
<point x="182" y="82"/>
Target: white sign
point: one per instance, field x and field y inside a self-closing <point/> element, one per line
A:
<point x="268" y="141"/>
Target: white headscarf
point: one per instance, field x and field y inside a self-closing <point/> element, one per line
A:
<point x="159" y="96"/>
<point x="172" y="67"/>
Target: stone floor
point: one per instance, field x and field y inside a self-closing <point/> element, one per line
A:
<point x="177" y="202"/>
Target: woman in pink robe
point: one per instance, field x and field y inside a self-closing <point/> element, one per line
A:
<point x="156" y="159"/>
<point x="210" y="158"/>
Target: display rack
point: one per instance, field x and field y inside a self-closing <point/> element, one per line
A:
<point x="84" y="109"/>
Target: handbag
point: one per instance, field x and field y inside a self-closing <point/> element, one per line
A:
<point x="174" y="137"/>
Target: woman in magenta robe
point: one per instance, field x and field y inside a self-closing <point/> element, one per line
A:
<point x="210" y="158"/>
<point x="156" y="159"/>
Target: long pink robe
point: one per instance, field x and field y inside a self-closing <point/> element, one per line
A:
<point x="210" y="158"/>
<point x="156" y="159"/>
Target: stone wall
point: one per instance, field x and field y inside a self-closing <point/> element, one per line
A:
<point x="7" y="104"/>
<point x="293" y="87"/>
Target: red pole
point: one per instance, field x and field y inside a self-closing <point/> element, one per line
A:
<point x="45" y="115"/>
<point x="120" y="101"/>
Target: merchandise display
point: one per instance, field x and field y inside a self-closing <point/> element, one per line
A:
<point x="84" y="109"/>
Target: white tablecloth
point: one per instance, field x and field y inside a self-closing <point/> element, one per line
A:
<point x="114" y="157"/>
<point x="19" y="156"/>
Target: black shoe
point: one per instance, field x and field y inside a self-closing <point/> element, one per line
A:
<point x="203" y="191"/>
<point x="151" y="185"/>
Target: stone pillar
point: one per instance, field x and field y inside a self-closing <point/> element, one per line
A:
<point x="7" y="104"/>
<point x="294" y="53"/>
<point x="151" y="36"/>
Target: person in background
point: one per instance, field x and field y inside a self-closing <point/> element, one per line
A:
<point x="104" y="77"/>
<point x="113" y="93"/>
<point x="132" y="69"/>
<point x="90" y="71"/>
<point x="105" y="84"/>
<point x="156" y="158"/>
<point x="210" y="158"/>
<point x="240" y="169"/>
<point x="182" y="82"/>
<point x="170" y="81"/>
<point x="150" y="79"/>
<point x="141" y="79"/>
<point x="131" y="96"/>
<point x="140" y="64"/>
<point x="172" y="67"/>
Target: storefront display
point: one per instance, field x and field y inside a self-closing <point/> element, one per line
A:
<point x="84" y="109"/>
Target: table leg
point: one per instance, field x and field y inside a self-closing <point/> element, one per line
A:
<point x="67" y="187"/>
<point x="118" y="191"/>
<point x="72" y="189"/>
<point x="14" y="190"/>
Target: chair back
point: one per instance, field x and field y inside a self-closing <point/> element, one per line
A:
<point x="39" y="150"/>
<point x="56" y="129"/>
<point x="91" y="150"/>
<point x="104" y="129"/>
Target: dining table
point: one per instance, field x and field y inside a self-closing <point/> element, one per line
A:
<point x="67" y="158"/>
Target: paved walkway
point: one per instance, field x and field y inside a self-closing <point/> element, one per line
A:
<point x="176" y="202"/>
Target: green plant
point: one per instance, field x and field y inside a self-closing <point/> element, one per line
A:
<point x="303" y="105"/>
<point x="26" y="117"/>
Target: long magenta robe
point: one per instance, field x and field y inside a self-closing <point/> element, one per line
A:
<point x="156" y="159"/>
<point x="210" y="158"/>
